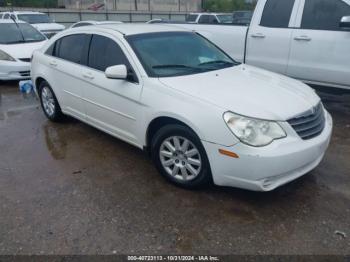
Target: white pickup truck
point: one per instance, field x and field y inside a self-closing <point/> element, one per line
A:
<point x="305" y="39"/>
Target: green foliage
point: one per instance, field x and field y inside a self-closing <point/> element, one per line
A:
<point x="226" y="5"/>
<point x="31" y="3"/>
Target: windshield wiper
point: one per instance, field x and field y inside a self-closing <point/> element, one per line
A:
<point x="174" y="66"/>
<point x="217" y="62"/>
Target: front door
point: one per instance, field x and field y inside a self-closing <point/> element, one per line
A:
<point x="111" y="104"/>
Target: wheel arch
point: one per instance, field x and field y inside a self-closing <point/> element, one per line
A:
<point x="161" y="121"/>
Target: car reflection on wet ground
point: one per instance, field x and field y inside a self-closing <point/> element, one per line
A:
<point x="68" y="188"/>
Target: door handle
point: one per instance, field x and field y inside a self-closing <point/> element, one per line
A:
<point x="88" y="76"/>
<point x="258" y="35"/>
<point x="302" y="38"/>
<point x="53" y="63"/>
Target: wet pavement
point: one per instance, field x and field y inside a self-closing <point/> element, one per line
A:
<point x="70" y="189"/>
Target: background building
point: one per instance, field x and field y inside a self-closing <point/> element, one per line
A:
<point x="137" y="5"/>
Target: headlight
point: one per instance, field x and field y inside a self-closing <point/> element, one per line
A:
<point x="252" y="131"/>
<point x="6" y="56"/>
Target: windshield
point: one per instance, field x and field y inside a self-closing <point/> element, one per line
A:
<point x="20" y="33"/>
<point x="226" y="19"/>
<point x="191" y="18"/>
<point x="177" y="53"/>
<point x="35" y="18"/>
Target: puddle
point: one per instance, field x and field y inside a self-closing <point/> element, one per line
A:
<point x="55" y="142"/>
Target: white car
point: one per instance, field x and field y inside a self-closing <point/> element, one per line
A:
<point x="202" y="116"/>
<point x="305" y="39"/>
<point x="40" y="21"/>
<point x="17" y="43"/>
<point x="209" y="18"/>
<point x="91" y="22"/>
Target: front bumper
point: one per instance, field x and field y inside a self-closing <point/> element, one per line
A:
<point x="266" y="168"/>
<point x="14" y="70"/>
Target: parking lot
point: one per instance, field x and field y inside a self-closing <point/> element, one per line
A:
<point x="70" y="189"/>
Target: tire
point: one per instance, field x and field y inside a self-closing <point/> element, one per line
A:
<point x="184" y="161"/>
<point x="49" y="103"/>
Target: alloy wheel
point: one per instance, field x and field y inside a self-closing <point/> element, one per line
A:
<point x="180" y="158"/>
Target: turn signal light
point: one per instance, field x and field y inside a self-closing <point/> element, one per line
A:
<point x="228" y="153"/>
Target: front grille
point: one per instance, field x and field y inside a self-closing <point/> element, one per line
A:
<point x="311" y="124"/>
<point x="24" y="73"/>
<point x="25" y="59"/>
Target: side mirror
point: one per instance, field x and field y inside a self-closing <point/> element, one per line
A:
<point x="117" y="72"/>
<point x="345" y="22"/>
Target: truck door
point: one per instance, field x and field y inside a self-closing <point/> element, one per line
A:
<point x="320" y="46"/>
<point x="268" y="39"/>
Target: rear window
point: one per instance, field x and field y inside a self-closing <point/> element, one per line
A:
<point x="35" y="18"/>
<point x="277" y="13"/>
<point x="191" y="18"/>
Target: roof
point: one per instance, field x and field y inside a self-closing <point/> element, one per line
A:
<point x="208" y="13"/>
<point x="24" y="12"/>
<point x="10" y="21"/>
<point x="134" y="29"/>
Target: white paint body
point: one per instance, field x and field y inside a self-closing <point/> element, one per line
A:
<point x="48" y="29"/>
<point x="322" y="59"/>
<point x="19" y="69"/>
<point x="125" y="110"/>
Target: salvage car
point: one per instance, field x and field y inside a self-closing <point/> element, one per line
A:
<point x="305" y="39"/>
<point x="17" y="43"/>
<point x="202" y="116"/>
<point x="92" y="22"/>
<point x="40" y="21"/>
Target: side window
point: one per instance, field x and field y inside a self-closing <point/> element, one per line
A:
<point x="277" y="13"/>
<point x="6" y="16"/>
<point x="204" y="19"/>
<point x="105" y="52"/>
<point x="213" y="20"/>
<point x="72" y="48"/>
<point x="50" y="50"/>
<point x="324" y="14"/>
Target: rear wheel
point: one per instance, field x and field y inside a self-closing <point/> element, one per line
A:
<point x="49" y="102"/>
<point x="180" y="157"/>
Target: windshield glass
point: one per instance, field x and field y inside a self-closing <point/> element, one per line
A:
<point x="35" y="18"/>
<point x="24" y="33"/>
<point x="226" y="19"/>
<point x="177" y="53"/>
<point x="191" y="18"/>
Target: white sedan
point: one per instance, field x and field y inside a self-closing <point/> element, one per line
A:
<point x="202" y="116"/>
<point x="17" y="43"/>
<point x="92" y="22"/>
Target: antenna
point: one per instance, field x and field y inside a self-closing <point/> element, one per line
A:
<point x="20" y="30"/>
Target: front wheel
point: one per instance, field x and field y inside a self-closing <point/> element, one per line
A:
<point x="180" y="157"/>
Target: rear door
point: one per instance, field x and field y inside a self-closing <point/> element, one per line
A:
<point x="68" y="55"/>
<point x="268" y="40"/>
<point x="320" y="49"/>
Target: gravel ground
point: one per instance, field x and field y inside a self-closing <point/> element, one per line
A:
<point x="70" y="189"/>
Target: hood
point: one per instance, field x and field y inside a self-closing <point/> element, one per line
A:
<point x="24" y="50"/>
<point x="248" y="91"/>
<point x="49" y="26"/>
